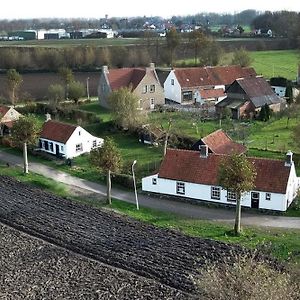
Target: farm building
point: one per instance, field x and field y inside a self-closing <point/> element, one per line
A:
<point x="190" y="174"/>
<point x="246" y="96"/>
<point x="190" y="85"/>
<point x="66" y="140"/>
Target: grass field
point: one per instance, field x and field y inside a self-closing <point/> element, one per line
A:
<point x="272" y="63"/>
<point x="282" y="244"/>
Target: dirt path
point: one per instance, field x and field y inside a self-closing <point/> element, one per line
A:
<point x="160" y="203"/>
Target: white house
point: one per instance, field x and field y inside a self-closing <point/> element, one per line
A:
<point x="190" y="85"/>
<point x="66" y="140"/>
<point x="191" y="174"/>
<point x="8" y="115"/>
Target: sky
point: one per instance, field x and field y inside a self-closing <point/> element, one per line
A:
<point x="24" y="9"/>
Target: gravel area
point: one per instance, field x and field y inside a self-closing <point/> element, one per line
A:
<point x="164" y="255"/>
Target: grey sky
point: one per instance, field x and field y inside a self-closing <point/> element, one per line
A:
<point x="14" y="9"/>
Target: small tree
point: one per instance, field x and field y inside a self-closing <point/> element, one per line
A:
<point x="76" y="91"/>
<point x="108" y="159"/>
<point x="67" y="76"/>
<point x="56" y="94"/>
<point x="14" y="79"/>
<point x="237" y="174"/>
<point x="241" y="57"/>
<point x="197" y="40"/>
<point x="125" y="108"/>
<point x="25" y="131"/>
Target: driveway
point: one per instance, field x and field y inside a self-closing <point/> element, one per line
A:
<point x="160" y="203"/>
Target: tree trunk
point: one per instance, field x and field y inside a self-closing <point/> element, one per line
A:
<point x="25" y="158"/>
<point x="108" y="191"/>
<point x="237" y="224"/>
<point x="166" y="144"/>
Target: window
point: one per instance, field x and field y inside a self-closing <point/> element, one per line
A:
<point x="94" y="143"/>
<point x="231" y="196"/>
<point x="180" y="188"/>
<point x="51" y="147"/>
<point x="268" y="196"/>
<point x="62" y="148"/>
<point x="79" y="147"/>
<point x="79" y="133"/>
<point x="187" y="96"/>
<point x="152" y="88"/>
<point x="172" y="82"/>
<point x="154" y="181"/>
<point x="145" y="89"/>
<point x="215" y="193"/>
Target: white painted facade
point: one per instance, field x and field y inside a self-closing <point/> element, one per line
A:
<point x="172" y="88"/>
<point x="11" y="115"/>
<point x="279" y="90"/>
<point x="79" y="142"/>
<point x="267" y="200"/>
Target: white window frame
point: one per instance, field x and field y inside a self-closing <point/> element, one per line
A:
<point x="152" y="88"/>
<point x="268" y="196"/>
<point x="145" y="89"/>
<point x="154" y="181"/>
<point x="172" y="81"/>
<point x="215" y="193"/>
<point x="79" y="147"/>
<point x="231" y="196"/>
<point x="180" y="188"/>
<point x="94" y="143"/>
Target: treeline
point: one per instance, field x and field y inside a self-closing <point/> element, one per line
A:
<point x="75" y="58"/>
<point x="283" y="23"/>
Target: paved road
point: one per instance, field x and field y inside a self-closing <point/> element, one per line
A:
<point x="167" y="205"/>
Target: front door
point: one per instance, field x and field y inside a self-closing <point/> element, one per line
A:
<point x="254" y="200"/>
<point x="57" y="150"/>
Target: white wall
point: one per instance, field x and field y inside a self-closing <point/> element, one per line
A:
<point x="81" y="136"/>
<point x="203" y="192"/>
<point x="172" y="92"/>
<point x="68" y="150"/>
<point x="279" y="90"/>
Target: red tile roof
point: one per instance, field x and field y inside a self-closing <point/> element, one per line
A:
<point x="220" y="143"/>
<point x="210" y="76"/>
<point x="125" y="77"/>
<point x="4" y="110"/>
<point x="57" y="131"/>
<point x="188" y="166"/>
<point x="212" y="93"/>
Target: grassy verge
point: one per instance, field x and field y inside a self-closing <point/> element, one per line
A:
<point x="282" y="244"/>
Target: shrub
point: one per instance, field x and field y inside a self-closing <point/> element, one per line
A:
<point x="123" y="180"/>
<point x="247" y="279"/>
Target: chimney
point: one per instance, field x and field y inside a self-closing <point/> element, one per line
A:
<point x="151" y="67"/>
<point x="48" y="117"/>
<point x="105" y="70"/>
<point x="203" y="151"/>
<point x="289" y="159"/>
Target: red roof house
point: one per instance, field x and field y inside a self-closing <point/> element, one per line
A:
<point x="143" y="82"/>
<point x="219" y="142"/>
<point x="191" y="174"/>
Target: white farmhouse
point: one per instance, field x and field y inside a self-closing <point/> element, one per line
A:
<point x="202" y="84"/>
<point x="66" y="140"/>
<point x="191" y="174"/>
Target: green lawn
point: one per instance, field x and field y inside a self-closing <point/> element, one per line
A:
<point x="282" y="63"/>
<point x="273" y="135"/>
<point x="282" y="244"/>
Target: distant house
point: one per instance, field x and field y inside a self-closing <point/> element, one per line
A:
<point x="143" y="82"/>
<point x="192" y="85"/>
<point x="246" y="96"/>
<point x="66" y="140"/>
<point x="218" y="142"/>
<point x="190" y="174"/>
<point x="8" y="115"/>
